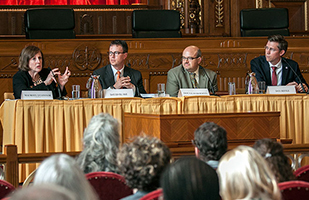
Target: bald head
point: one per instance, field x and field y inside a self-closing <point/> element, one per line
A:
<point x="191" y="58"/>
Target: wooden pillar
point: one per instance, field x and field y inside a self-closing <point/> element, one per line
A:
<point x="11" y="168"/>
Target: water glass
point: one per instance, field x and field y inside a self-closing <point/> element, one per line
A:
<point x="262" y="87"/>
<point x="161" y="90"/>
<point x="232" y="88"/>
<point x="75" y="91"/>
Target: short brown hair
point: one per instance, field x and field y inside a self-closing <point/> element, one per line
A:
<point x="26" y="54"/>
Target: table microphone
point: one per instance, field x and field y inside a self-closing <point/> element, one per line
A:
<point x="301" y="83"/>
<point x="58" y="87"/>
<point x="211" y="86"/>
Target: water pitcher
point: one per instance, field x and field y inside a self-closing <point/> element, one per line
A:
<point x="251" y="84"/>
<point x="94" y="87"/>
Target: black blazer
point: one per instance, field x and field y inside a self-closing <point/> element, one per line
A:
<point x="107" y="78"/>
<point x="261" y="68"/>
<point x="23" y="81"/>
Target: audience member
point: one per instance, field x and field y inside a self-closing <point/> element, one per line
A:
<point x="33" y="76"/>
<point x="43" y="192"/>
<point x="61" y="169"/>
<point x="244" y="174"/>
<point x="101" y="144"/>
<point x="278" y="162"/>
<point x="276" y="70"/>
<point x="141" y="162"/>
<point x="210" y="143"/>
<point x="190" y="74"/>
<point x="190" y="179"/>
<point x="117" y="75"/>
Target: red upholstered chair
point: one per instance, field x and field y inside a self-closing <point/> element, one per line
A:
<point x="154" y="195"/>
<point x="292" y="190"/>
<point x="302" y="173"/>
<point x="5" y="188"/>
<point x="109" y="185"/>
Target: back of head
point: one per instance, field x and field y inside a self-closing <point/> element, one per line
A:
<point x="190" y="179"/>
<point x="244" y="174"/>
<point x="273" y="153"/>
<point x="211" y="141"/>
<point x="61" y="169"/>
<point x="142" y="161"/>
<point x="101" y="144"/>
<point x="43" y="192"/>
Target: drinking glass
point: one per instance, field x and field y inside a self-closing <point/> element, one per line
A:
<point x="262" y="87"/>
<point x="161" y="90"/>
<point x="75" y="91"/>
<point x="232" y="88"/>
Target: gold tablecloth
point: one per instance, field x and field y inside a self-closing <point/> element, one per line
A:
<point x="37" y="126"/>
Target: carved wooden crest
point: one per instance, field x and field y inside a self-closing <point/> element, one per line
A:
<point x="86" y="57"/>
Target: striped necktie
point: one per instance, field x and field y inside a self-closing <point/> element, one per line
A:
<point x="193" y="80"/>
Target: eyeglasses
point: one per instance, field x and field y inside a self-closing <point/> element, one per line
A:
<point x="270" y="49"/>
<point x="116" y="53"/>
<point x="189" y="58"/>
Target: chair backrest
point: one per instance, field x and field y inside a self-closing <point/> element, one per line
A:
<point x="5" y="188"/>
<point x="109" y="185"/>
<point x="302" y="173"/>
<point x="156" y="24"/>
<point x="264" y="22"/>
<point x="154" y="195"/>
<point x="292" y="190"/>
<point x="49" y="23"/>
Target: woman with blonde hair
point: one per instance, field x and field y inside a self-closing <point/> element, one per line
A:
<point x="244" y="174"/>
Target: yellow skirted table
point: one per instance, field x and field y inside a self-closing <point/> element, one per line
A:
<point x="37" y="126"/>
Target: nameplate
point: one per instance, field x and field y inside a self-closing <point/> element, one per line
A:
<point x="118" y="93"/>
<point x="193" y="92"/>
<point x="36" y="95"/>
<point x="281" y="89"/>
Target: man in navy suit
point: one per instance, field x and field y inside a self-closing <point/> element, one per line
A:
<point x="276" y="70"/>
<point x="117" y="75"/>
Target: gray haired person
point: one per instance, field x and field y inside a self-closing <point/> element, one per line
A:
<point x="61" y="169"/>
<point x="101" y="144"/>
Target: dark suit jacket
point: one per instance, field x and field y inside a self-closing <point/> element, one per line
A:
<point x="261" y="68"/>
<point x="178" y="78"/>
<point x="23" y="81"/>
<point x="107" y="78"/>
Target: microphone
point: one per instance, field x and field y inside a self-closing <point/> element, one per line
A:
<point x="301" y="83"/>
<point x="211" y="87"/>
<point x="58" y="87"/>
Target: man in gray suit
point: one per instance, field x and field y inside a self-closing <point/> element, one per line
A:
<point x="190" y="74"/>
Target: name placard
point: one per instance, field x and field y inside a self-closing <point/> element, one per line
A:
<point x="193" y="92"/>
<point x="118" y="93"/>
<point x="281" y="89"/>
<point x="36" y="95"/>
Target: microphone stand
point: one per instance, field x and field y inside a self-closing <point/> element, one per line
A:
<point x="58" y="87"/>
<point x="300" y="82"/>
<point x="211" y="86"/>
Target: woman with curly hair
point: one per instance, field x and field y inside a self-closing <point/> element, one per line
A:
<point x="101" y="144"/>
<point x="141" y="163"/>
<point x="278" y="162"/>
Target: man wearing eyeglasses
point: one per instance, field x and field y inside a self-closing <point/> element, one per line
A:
<point x="190" y="74"/>
<point x="276" y="70"/>
<point x="117" y="75"/>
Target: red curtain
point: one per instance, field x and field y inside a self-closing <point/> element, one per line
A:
<point x="68" y="2"/>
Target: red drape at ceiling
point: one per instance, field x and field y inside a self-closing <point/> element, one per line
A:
<point x="68" y="2"/>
